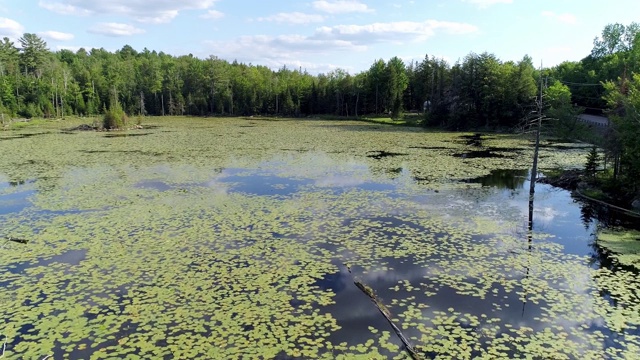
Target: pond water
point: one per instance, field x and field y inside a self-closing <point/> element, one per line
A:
<point x="225" y="238"/>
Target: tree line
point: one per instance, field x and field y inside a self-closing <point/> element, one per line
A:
<point x="479" y="90"/>
<point x="606" y="82"/>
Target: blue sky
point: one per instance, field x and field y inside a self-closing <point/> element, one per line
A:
<point x="321" y="35"/>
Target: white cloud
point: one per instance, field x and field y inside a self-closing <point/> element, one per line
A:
<point x="546" y="215"/>
<point x="64" y="9"/>
<point x="213" y="15"/>
<point x="341" y="6"/>
<point x="10" y="28"/>
<point x="56" y="35"/>
<point x="398" y="32"/>
<point x="275" y="51"/>
<point x="146" y="11"/>
<point x="563" y="18"/>
<point x="293" y="18"/>
<point x="263" y="46"/>
<point x="115" y="29"/>
<point x="339" y="181"/>
<point x="486" y="3"/>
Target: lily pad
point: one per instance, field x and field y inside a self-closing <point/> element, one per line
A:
<point x="623" y="244"/>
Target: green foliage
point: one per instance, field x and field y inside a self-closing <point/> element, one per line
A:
<point x="624" y="100"/>
<point x="558" y="95"/>
<point x="565" y="123"/>
<point x="34" y="52"/>
<point x="397" y="82"/>
<point x="593" y="162"/>
<point x="615" y="54"/>
<point x="596" y="193"/>
<point x="114" y="117"/>
<point x="160" y="84"/>
<point x="30" y="110"/>
<point x="4" y="114"/>
<point x="483" y="92"/>
<point x="478" y="91"/>
<point x="616" y="38"/>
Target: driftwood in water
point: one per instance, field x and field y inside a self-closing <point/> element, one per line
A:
<point x="83" y="127"/>
<point x="387" y="315"/>
<point x="19" y="241"/>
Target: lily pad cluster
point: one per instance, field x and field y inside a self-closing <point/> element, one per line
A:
<point x="624" y="245"/>
<point x="206" y="238"/>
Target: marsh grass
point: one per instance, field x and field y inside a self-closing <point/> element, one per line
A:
<point x="17" y="125"/>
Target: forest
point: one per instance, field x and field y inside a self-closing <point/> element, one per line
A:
<point x="39" y="83"/>
<point x="478" y="90"/>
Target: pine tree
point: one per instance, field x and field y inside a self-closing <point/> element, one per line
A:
<point x="593" y="162"/>
<point x="34" y="52"/>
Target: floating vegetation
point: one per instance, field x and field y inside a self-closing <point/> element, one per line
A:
<point x="187" y="244"/>
<point x="623" y="244"/>
<point x="429" y="147"/>
<point x="25" y="135"/>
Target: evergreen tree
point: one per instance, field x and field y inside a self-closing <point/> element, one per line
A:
<point x="397" y="82"/>
<point x="33" y="53"/>
<point x="593" y="162"/>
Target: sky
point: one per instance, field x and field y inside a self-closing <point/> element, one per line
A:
<point x="322" y="35"/>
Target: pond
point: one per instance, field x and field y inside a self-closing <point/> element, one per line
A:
<point x="212" y="238"/>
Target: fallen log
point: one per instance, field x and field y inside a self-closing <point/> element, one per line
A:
<point x="621" y="209"/>
<point x="17" y="240"/>
<point x="387" y="315"/>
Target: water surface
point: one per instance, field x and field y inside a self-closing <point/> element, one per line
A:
<point x="211" y="238"/>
